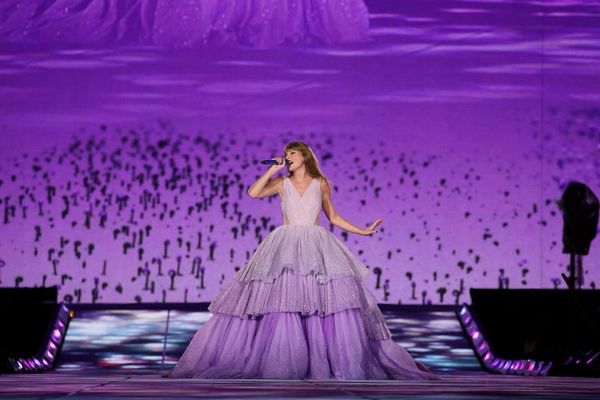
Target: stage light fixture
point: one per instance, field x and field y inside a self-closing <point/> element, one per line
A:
<point x="579" y="206"/>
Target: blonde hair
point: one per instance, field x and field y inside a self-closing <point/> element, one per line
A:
<point x="310" y="160"/>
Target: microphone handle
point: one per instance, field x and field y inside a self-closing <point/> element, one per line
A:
<point x="273" y="162"/>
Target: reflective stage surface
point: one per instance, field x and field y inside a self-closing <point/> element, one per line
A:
<point x="123" y="353"/>
<point x="82" y="385"/>
<point x="138" y="340"/>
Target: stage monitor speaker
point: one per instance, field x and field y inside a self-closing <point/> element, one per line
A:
<point x="535" y="331"/>
<point x="33" y="329"/>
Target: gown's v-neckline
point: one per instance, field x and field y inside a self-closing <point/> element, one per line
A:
<point x="297" y="191"/>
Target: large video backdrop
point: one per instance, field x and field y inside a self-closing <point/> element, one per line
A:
<point x="125" y="165"/>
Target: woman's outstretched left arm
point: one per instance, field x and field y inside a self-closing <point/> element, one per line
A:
<point x="337" y="219"/>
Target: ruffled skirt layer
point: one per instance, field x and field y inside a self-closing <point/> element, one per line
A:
<point x="284" y="345"/>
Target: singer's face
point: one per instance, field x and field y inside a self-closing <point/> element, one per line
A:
<point x="295" y="159"/>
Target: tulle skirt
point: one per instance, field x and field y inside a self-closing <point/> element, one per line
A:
<point x="285" y="345"/>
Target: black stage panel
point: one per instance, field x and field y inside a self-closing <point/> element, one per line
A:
<point x="538" y="324"/>
<point x="27" y="316"/>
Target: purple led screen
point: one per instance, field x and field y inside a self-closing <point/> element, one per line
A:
<point x="129" y="139"/>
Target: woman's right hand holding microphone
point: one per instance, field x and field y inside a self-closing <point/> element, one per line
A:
<point x="280" y="164"/>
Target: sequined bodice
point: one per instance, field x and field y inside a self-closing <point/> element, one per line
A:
<point x="301" y="210"/>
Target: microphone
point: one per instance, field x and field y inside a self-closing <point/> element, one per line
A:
<point x="273" y="162"/>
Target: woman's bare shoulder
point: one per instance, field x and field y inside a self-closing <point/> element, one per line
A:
<point x="324" y="182"/>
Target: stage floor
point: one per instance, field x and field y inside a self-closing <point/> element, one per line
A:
<point x="121" y="354"/>
<point x="471" y="385"/>
<point x="127" y="340"/>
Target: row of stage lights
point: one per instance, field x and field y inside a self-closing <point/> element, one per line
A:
<point x="47" y="357"/>
<point x="488" y="360"/>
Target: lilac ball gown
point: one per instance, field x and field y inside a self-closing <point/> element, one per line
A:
<point x="298" y="310"/>
<point x="183" y="23"/>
